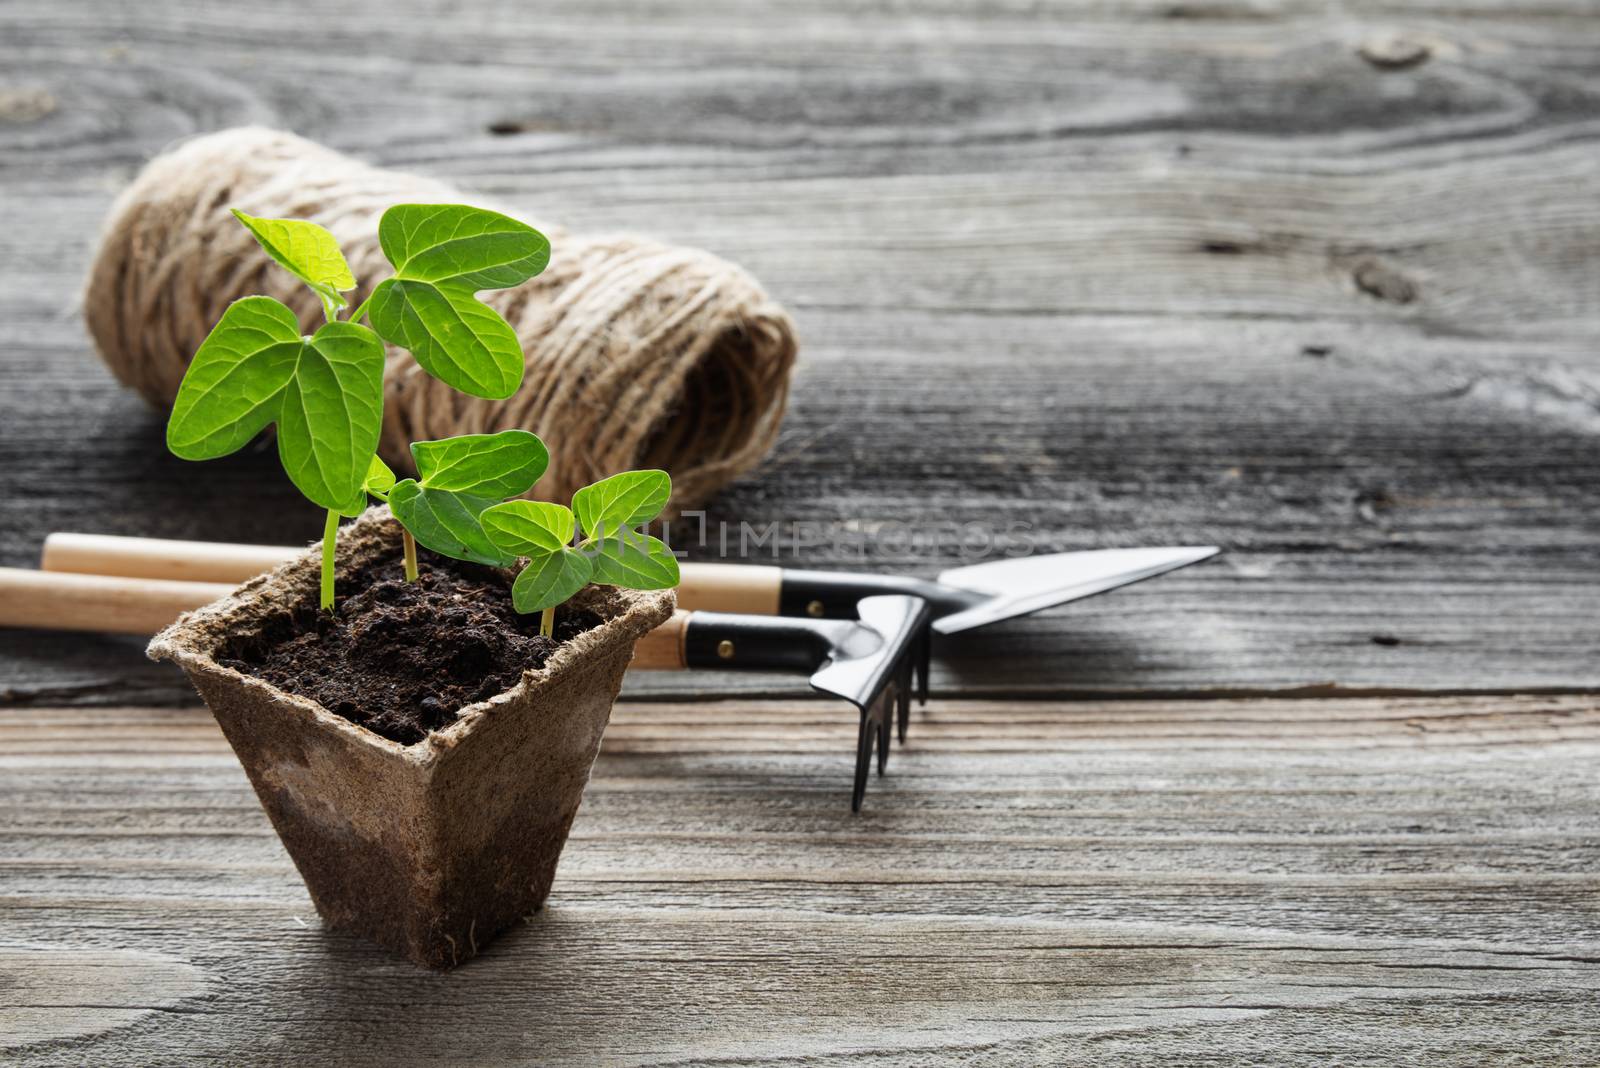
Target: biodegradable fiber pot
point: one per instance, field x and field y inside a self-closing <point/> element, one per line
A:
<point x="432" y="848"/>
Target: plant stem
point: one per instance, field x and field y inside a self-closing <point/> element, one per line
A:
<point x="361" y="309"/>
<point x="329" y="532"/>
<point x="547" y="622"/>
<point x="330" y="307"/>
<point x="411" y="554"/>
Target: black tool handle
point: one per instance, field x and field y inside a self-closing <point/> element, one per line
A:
<point x="757" y="643"/>
<point x="835" y="594"/>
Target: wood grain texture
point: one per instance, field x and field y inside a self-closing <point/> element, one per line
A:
<point x="1317" y="283"/>
<point x="1312" y="881"/>
<point x="1128" y="274"/>
<point x="57" y="995"/>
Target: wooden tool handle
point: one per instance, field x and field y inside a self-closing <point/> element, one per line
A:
<point x="159" y="558"/>
<point x="98" y="602"/>
<point x="746" y="588"/>
<point x="749" y="589"/>
<point x="662" y="648"/>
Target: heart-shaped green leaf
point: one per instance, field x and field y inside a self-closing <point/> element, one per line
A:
<point x="462" y="476"/>
<point x="624" y="500"/>
<point x="460" y="245"/>
<point x="380" y="480"/>
<point x="378" y="483"/>
<point x="354" y="506"/>
<point x="306" y="251"/>
<point x="234" y="386"/>
<point x="485" y="465"/>
<point x="324" y="392"/>
<point x="636" y="561"/>
<point x="542" y="532"/>
<point x="332" y="413"/>
<point x="454" y="336"/>
<point x="549" y="579"/>
<point x="529" y="528"/>
<point x="442" y="255"/>
<point x="448" y="523"/>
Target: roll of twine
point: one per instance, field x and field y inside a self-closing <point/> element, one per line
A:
<point x="638" y="354"/>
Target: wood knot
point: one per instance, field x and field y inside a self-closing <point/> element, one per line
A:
<point x="1384" y="282"/>
<point x="512" y="127"/>
<point x="1394" y="51"/>
<point x="25" y="105"/>
<point x="1373" y="506"/>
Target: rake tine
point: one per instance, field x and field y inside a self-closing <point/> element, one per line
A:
<point x="863" y="759"/>
<point x="924" y="653"/>
<point x="881" y="712"/>
<point x="902" y="698"/>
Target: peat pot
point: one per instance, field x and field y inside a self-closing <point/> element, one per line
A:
<point x="429" y="849"/>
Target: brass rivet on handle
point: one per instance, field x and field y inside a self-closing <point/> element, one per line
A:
<point x="815" y="609"/>
<point x="725" y="649"/>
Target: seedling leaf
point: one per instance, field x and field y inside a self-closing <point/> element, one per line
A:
<point x="380" y="480"/>
<point x="634" y="560"/>
<point x="529" y="528"/>
<point x="448" y="523"/>
<point x="500" y="465"/>
<point x="332" y="413"/>
<point x="543" y="533"/>
<point x="378" y="483"/>
<point x="354" y="506"/>
<point x="463" y="246"/>
<point x="307" y="251"/>
<point x="621" y="501"/>
<point x="234" y="386"/>
<point x="549" y="579"/>
<point x="454" y="336"/>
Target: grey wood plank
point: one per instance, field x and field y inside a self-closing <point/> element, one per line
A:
<point x="1283" y="880"/>
<point x="1128" y="273"/>
<point x="1315" y="285"/>
<point x="1398" y="515"/>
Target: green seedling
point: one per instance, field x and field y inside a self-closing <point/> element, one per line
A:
<point x="611" y="551"/>
<point x="457" y="478"/>
<point x="324" y="391"/>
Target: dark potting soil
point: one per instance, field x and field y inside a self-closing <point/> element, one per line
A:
<point x="403" y="658"/>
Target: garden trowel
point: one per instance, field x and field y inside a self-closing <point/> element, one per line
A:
<point x="960" y="599"/>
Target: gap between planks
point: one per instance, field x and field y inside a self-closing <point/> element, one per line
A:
<point x="734" y="724"/>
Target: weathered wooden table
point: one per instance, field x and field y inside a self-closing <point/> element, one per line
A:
<point x="1323" y="289"/>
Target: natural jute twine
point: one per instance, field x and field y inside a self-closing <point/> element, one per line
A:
<point x="638" y="354"/>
